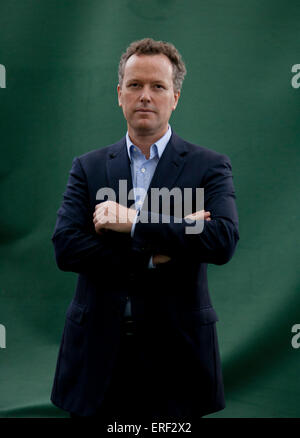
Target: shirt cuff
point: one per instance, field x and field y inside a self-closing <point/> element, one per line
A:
<point x="150" y="265"/>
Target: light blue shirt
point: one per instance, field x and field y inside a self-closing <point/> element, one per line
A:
<point x="142" y="171"/>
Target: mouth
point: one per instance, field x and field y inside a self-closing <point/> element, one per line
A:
<point x="144" y="110"/>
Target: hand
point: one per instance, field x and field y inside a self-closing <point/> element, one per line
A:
<point x="201" y="214"/>
<point x="160" y="258"/>
<point x="110" y="215"/>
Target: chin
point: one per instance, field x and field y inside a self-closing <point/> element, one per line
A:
<point x="144" y="126"/>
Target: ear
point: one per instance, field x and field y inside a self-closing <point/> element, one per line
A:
<point x="119" y="94"/>
<point x="176" y="98"/>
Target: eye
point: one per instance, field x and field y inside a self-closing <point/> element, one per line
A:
<point x="133" y="85"/>
<point x="158" y="86"/>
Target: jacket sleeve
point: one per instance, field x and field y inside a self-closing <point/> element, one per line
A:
<point x="216" y="242"/>
<point x="78" y="247"/>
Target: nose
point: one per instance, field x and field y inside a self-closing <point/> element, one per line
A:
<point x="145" y="96"/>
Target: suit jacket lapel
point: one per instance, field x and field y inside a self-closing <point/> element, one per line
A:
<point x="118" y="168"/>
<point x="166" y="173"/>
<point x="170" y="164"/>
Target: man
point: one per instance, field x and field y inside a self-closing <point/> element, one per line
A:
<point x="140" y="335"/>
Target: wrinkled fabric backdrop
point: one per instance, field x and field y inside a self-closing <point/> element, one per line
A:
<point x="60" y="58"/>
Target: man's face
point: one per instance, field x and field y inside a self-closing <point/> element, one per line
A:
<point x="147" y="96"/>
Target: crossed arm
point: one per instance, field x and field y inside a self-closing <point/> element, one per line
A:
<point x="86" y="238"/>
<point x="110" y="215"/>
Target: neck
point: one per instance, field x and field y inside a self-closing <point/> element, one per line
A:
<point x="145" y="140"/>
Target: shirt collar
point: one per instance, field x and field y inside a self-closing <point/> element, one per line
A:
<point x="160" y="144"/>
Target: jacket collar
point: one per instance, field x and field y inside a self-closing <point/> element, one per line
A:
<point x="166" y="173"/>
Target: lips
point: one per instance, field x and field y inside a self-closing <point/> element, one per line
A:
<point x="144" y="110"/>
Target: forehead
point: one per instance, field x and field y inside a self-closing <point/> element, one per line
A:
<point x="150" y="67"/>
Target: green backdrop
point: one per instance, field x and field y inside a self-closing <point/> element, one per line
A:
<point x="61" y="59"/>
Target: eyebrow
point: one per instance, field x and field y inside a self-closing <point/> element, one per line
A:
<point x="158" y="81"/>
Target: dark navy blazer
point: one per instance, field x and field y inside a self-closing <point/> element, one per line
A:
<point x="178" y="346"/>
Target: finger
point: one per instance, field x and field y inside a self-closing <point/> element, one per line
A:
<point x="97" y="218"/>
<point x="100" y="209"/>
<point x="102" y="205"/>
<point x="99" y="205"/>
<point x="103" y="210"/>
<point x="98" y="214"/>
<point x="105" y="217"/>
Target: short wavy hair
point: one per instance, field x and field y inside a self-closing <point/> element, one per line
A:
<point x="148" y="46"/>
